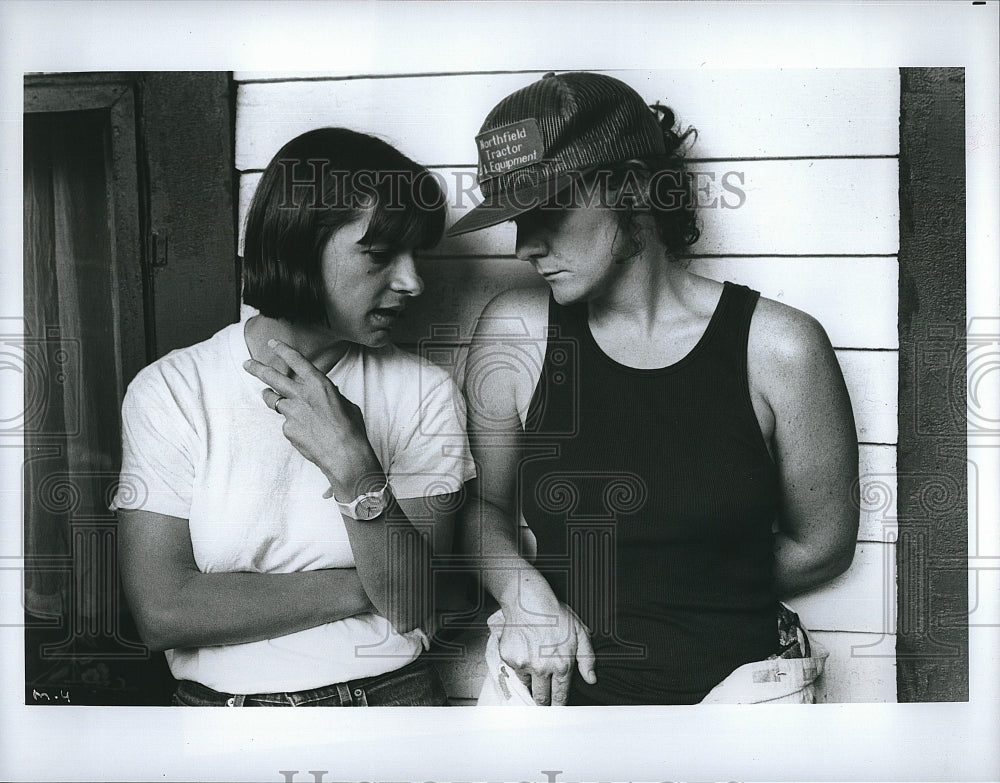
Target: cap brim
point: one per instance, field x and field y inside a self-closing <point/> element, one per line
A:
<point x="483" y="216"/>
<point x="505" y="206"/>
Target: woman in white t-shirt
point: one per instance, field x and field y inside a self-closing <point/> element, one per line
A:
<point x="286" y="483"/>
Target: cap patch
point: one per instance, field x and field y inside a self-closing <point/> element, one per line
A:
<point x="509" y="147"/>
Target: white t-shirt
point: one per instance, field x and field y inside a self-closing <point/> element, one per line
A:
<point x="199" y="444"/>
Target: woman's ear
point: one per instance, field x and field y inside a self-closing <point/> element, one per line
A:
<point x="633" y="191"/>
<point x="635" y="229"/>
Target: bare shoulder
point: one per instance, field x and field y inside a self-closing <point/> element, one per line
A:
<point x="784" y="337"/>
<point x="519" y="312"/>
<point x="506" y="356"/>
<point x="791" y="363"/>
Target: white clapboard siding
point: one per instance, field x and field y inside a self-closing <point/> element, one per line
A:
<point x="788" y="207"/>
<point x="809" y="162"/>
<point x="872" y="381"/>
<point x="738" y="114"/>
<point x="851" y="677"/>
<point x="861" y="599"/>
<point x="840" y="206"/>
<point x="877" y="496"/>
<point x="248" y="184"/>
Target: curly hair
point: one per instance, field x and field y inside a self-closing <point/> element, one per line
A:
<point x="660" y="186"/>
<point x="678" y="226"/>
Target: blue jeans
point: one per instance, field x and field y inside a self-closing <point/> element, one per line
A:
<point x="417" y="684"/>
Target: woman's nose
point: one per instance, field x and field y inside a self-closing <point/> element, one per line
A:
<point x="530" y="244"/>
<point x="405" y="278"/>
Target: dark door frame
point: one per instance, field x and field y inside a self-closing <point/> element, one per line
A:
<point x="171" y="195"/>
<point x="932" y="549"/>
<point x="115" y="95"/>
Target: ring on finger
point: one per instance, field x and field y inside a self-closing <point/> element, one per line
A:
<point x="278" y="399"/>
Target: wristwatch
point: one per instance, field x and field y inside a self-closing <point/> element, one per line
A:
<point x="368" y="506"/>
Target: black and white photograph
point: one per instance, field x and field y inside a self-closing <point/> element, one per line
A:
<point x="630" y="367"/>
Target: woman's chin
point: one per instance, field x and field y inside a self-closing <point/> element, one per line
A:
<point x="377" y="338"/>
<point x="565" y="295"/>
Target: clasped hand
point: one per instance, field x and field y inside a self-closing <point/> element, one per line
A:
<point x="320" y="422"/>
<point x="542" y="649"/>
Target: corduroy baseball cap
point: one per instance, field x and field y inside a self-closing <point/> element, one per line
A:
<point x="534" y="141"/>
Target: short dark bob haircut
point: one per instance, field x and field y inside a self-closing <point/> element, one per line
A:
<point x="315" y="184"/>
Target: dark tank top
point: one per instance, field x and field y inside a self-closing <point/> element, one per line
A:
<point x="651" y="494"/>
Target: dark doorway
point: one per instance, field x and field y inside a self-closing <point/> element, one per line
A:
<point x="97" y="229"/>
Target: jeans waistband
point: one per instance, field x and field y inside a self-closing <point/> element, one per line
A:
<point x="349" y="693"/>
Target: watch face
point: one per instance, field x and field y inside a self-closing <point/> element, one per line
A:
<point x="368" y="508"/>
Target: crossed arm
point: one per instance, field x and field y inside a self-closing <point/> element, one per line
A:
<point x="176" y="605"/>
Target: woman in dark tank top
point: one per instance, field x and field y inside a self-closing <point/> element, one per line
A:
<point x="682" y="450"/>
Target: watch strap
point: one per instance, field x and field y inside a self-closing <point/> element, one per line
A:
<point x="378" y="498"/>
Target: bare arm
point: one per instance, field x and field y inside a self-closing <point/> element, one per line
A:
<point x="403" y="559"/>
<point x="541" y="639"/>
<point x="435" y="517"/>
<point x="815" y="447"/>
<point x="176" y="605"/>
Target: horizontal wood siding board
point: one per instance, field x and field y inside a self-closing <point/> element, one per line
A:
<point x="247" y="186"/>
<point x="778" y="207"/>
<point x="877" y="493"/>
<point x="871" y="378"/>
<point x="251" y="77"/>
<point x="800" y="207"/>
<point x="738" y="113"/>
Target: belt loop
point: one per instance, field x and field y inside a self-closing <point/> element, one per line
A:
<point x="344" y="693"/>
<point x="237" y="700"/>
